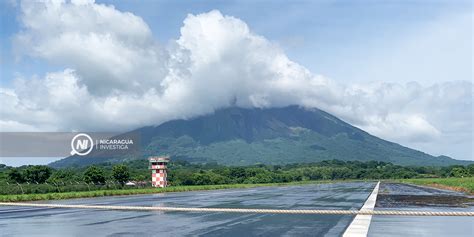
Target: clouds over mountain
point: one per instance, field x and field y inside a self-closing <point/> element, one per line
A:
<point x="117" y="76"/>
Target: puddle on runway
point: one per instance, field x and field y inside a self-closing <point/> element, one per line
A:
<point x="396" y="195"/>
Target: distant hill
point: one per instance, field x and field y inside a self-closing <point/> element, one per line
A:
<point x="239" y="136"/>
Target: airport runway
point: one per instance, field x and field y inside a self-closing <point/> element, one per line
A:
<point x="23" y="221"/>
<point x="410" y="197"/>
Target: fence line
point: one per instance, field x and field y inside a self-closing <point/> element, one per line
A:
<point x="244" y="210"/>
<point x="59" y="187"/>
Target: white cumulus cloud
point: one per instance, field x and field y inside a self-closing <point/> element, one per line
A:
<point x="117" y="76"/>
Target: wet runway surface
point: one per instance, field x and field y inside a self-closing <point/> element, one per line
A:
<point x="22" y="221"/>
<point x="406" y="195"/>
<point x="26" y="221"/>
<point x="417" y="198"/>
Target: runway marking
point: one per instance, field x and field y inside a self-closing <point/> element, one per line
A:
<point x="359" y="227"/>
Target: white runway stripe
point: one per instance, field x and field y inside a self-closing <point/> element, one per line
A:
<point x="360" y="225"/>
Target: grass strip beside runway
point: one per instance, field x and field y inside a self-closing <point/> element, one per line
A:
<point x="455" y="184"/>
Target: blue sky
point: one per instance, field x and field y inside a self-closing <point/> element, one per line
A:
<point x="340" y="39"/>
<point x="334" y="38"/>
<point x="367" y="52"/>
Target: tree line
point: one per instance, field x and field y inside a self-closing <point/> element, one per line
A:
<point x="185" y="173"/>
<point x="39" y="174"/>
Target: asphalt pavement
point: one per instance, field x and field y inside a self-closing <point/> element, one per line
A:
<point x="26" y="221"/>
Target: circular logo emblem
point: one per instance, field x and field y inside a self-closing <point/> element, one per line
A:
<point x="81" y="144"/>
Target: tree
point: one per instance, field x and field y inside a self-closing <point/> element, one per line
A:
<point x="121" y="173"/>
<point x="62" y="176"/>
<point x="459" y="172"/>
<point x="37" y="173"/>
<point x="471" y="169"/>
<point x="237" y="173"/>
<point x="264" y="177"/>
<point x="94" y="174"/>
<point x="180" y="177"/>
<point x="201" y="178"/>
<point x="15" y="175"/>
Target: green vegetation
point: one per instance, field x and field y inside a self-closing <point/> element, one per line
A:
<point x="31" y="174"/>
<point x="94" y="174"/>
<point x="121" y="173"/>
<point x="465" y="184"/>
<point x="103" y="179"/>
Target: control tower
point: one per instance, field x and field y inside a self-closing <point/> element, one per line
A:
<point x="158" y="170"/>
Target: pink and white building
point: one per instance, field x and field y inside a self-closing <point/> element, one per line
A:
<point x="158" y="170"/>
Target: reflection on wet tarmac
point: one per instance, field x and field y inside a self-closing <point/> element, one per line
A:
<point x="61" y="222"/>
<point x="26" y="221"/>
<point x="417" y="198"/>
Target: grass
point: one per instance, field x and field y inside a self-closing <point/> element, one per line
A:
<point x="456" y="184"/>
<point x="117" y="192"/>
